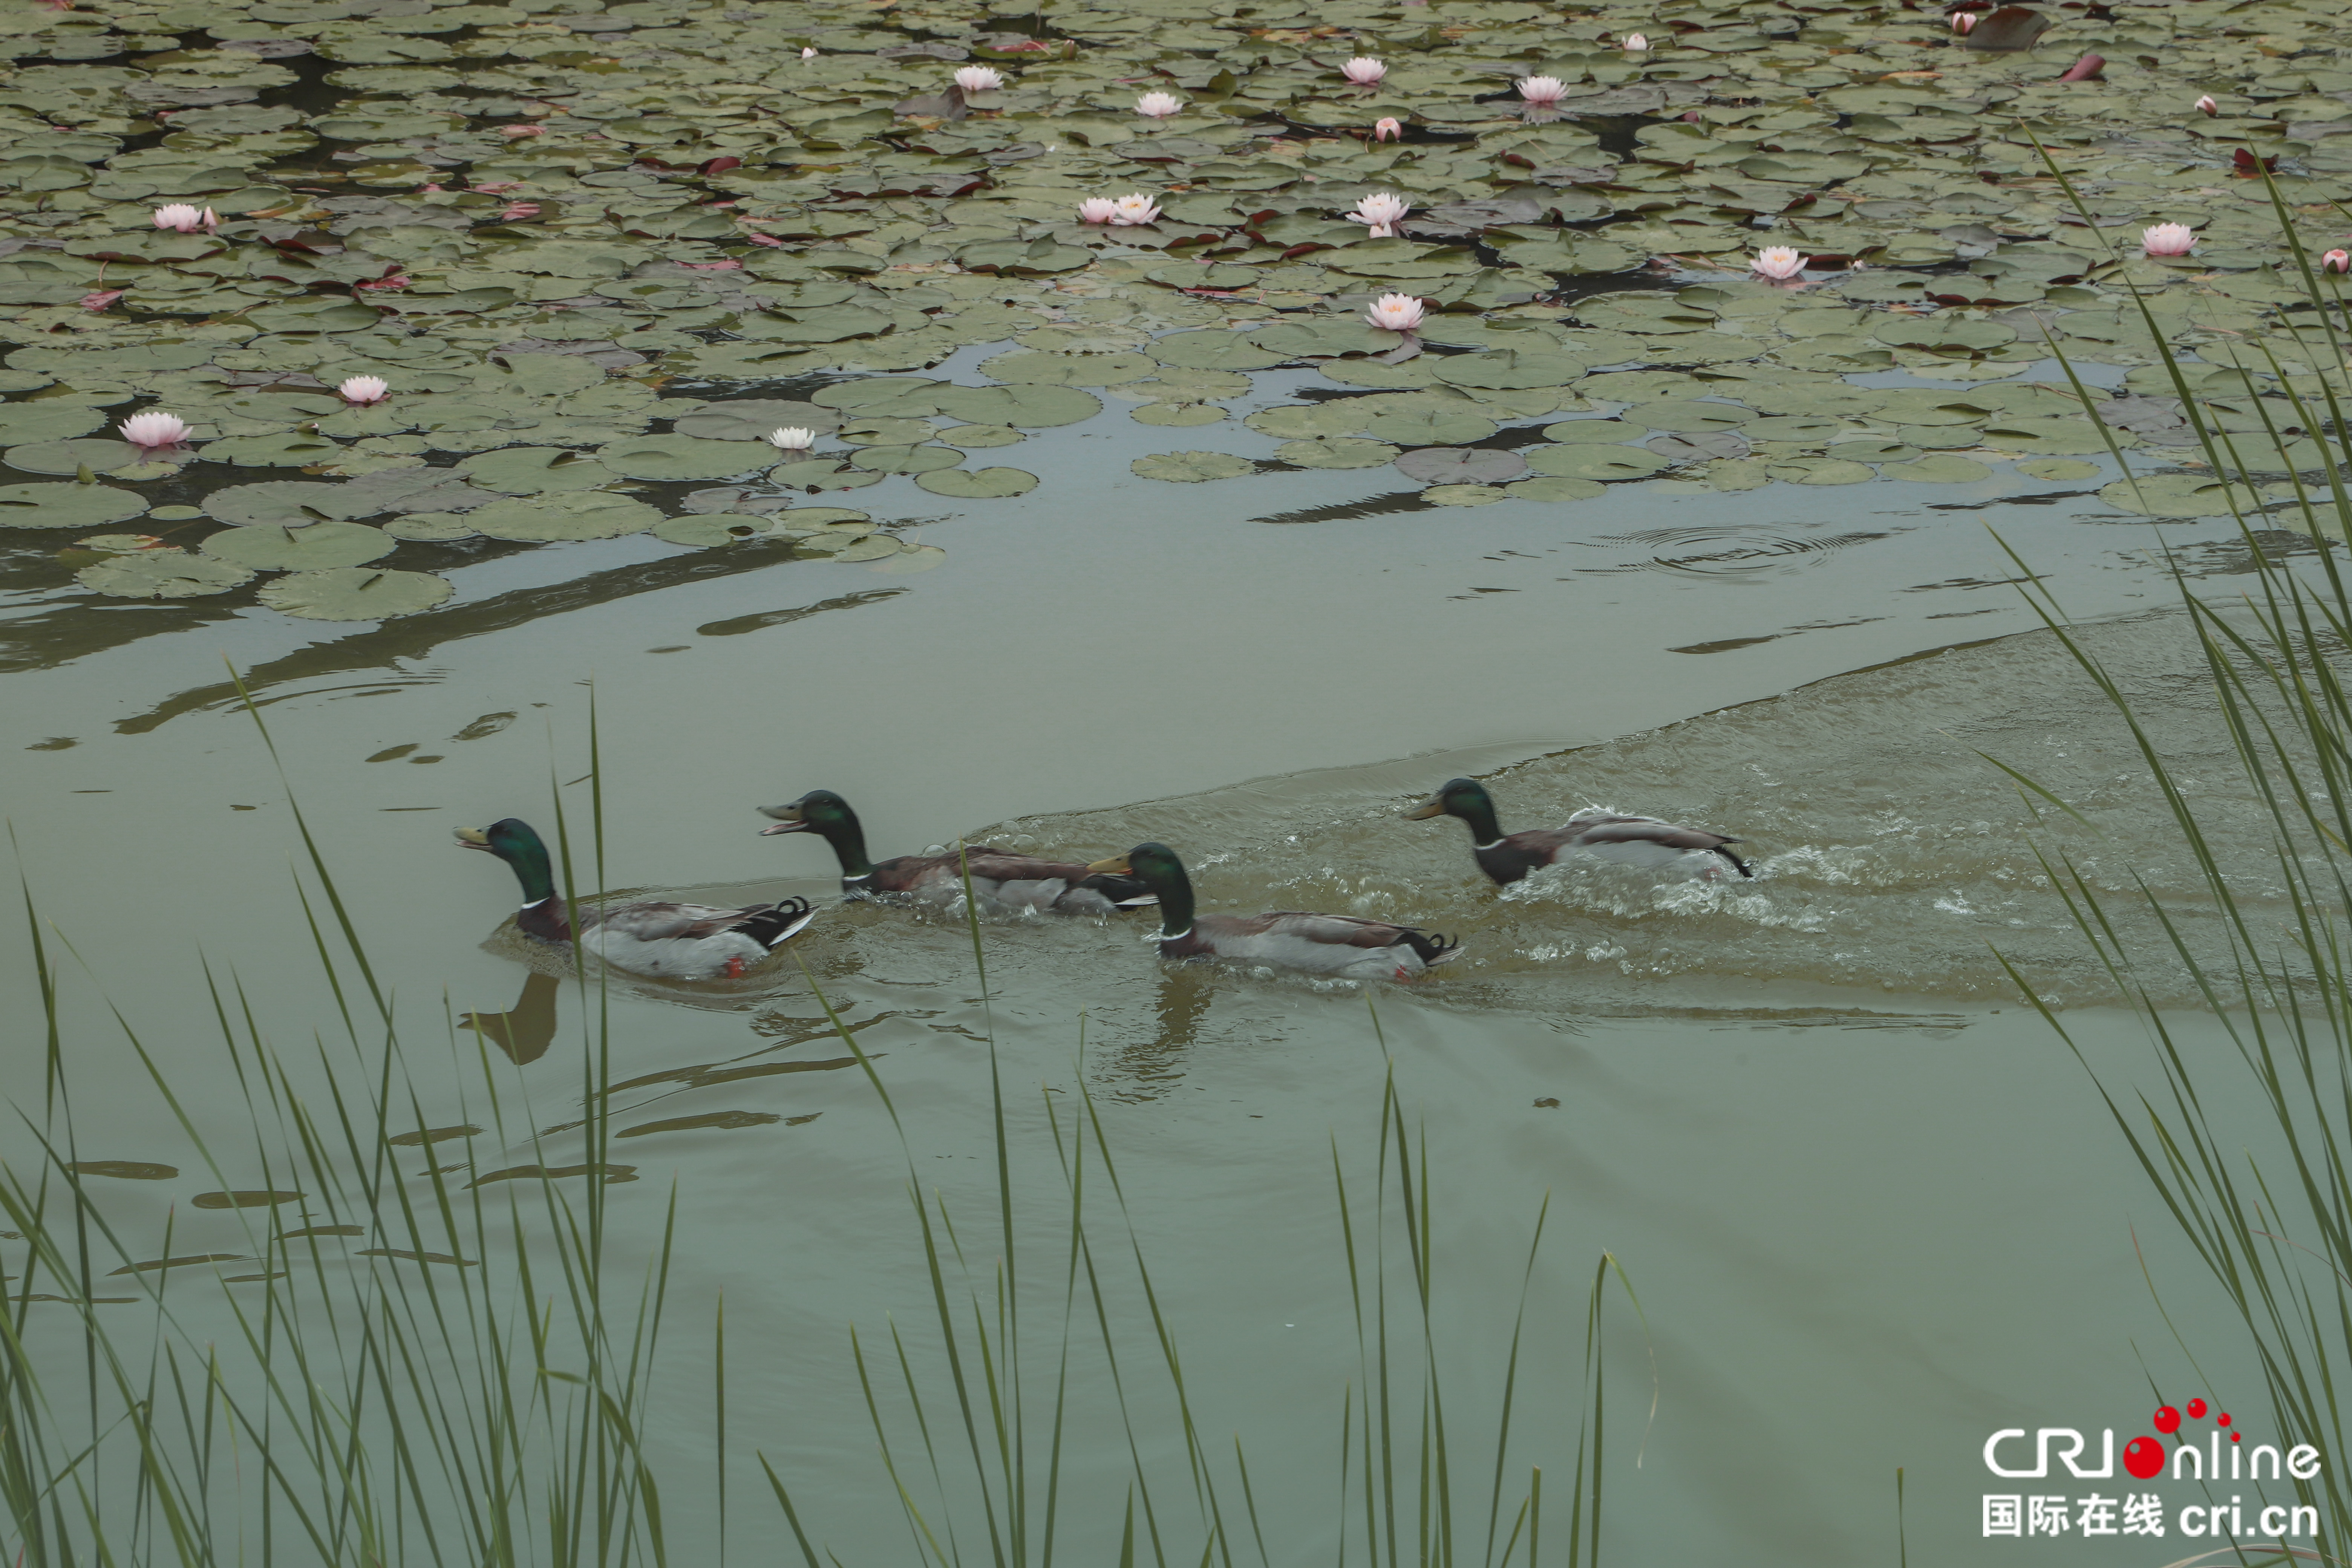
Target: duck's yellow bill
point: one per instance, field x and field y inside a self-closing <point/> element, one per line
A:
<point x="473" y="838"/>
<point x="1432" y="807"/>
<point x="1115" y="866"/>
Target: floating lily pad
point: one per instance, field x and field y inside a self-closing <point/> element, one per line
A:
<point x="2058" y="469"/>
<point x="2180" y="495"/>
<point x="968" y="436"/>
<point x="1595" y="462"/>
<point x="678" y="458"/>
<point x="1592" y="432"/>
<point x="1461" y="466"/>
<point x="888" y="432"/>
<point x="1509" y="369"/>
<point x="116" y="460"/>
<point x="710" y="529"/>
<point x="872" y="547"/>
<point x="1069" y="370"/>
<point x="1191" y="468"/>
<point x="1182" y="416"/>
<point x="1548" y="488"/>
<point x="46" y="419"/>
<point x="1464" y="495"/>
<point x="286" y="449"/>
<point x="1215" y="350"/>
<point x="354" y="594"/>
<point x="750" y="419"/>
<point x="906" y="459"/>
<point x="66" y="506"/>
<point x="1429" y="427"/>
<point x="162" y="574"/>
<point x="432" y="526"/>
<point x="907" y="394"/>
<point x="1938" y="468"/>
<point x="1821" y="471"/>
<point x="533" y="470"/>
<point x="820" y="474"/>
<point x="910" y="559"/>
<point x="320" y="544"/>
<point x="292" y="503"/>
<point x="1336" y="452"/>
<point x="569" y="514"/>
<point x="1688" y="418"/>
<point x="1028" y="406"/>
<point x="978" y="484"/>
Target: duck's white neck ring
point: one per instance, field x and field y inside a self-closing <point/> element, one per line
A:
<point x="859" y="877"/>
<point x="536" y="902"/>
<point x="1163" y="936"/>
<point x="1483" y="847"/>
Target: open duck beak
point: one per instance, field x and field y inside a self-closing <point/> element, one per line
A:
<point x="1434" y="806"/>
<point x="788" y="820"/>
<point x="1115" y="866"/>
<point x="473" y="838"/>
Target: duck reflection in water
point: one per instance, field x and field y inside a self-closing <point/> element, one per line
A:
<point x="525" y="1030"/>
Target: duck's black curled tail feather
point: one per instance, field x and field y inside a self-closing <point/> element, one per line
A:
<point x="1736" y="863"/>
<point x="771" y="925"/>
<point x="1431" y="947"/>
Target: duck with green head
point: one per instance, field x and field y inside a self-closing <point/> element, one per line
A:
<point x="1642" y="841"/>
<point x="1001" y="881"/>
<point x="1283" y="939"/>
<point x="663" y="940"/>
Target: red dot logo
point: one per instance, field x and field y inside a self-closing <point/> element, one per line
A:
<point x="2144" y="1457"/>
<point x="2197" y="1408"/>
<point x="2234" y="1436"/>
<point x="2168" y="1420"/>
<point x="2223" y="1418"/>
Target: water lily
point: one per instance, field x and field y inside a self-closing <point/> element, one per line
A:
<point x="1364" y="70"/>
<point x="979" y="78"/>
<point x="2167" y="239"/>
<point x="1097" y="210"/>
<point x="514" y="210"/>
<point x="1542" y="90"/>
<point x="153" y="431"/>
<point x="791" y="438"/>
<point x="1964" y="22"/>
<point x="2206" y="105"/>
<point x="362" y="390"/>
<point x="184" y="218"/>
<point x="1382" y="212"/>
<point x="1130" y="211"/>
<point x="2336" y="261"/>
<point x="513" y="131"/>
<point x="1778" y="262"/>
<point x="1397" y="313"/>
<point x="100" y="298"/>
<point x="1388" y="129"/>
<point x="1637" y="43"/>
<point x="808" y="54"/>
<point x="1158" y="105"/>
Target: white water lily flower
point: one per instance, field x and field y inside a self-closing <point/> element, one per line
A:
<point x="1158" y="105"/>
<point x="1778" y="262"/>
<point x="154" y="430"/>
<point x="364" y="389"/>
<point x="1637" y="43"/>
<point x="808" y="54"/>
<point x="979" y="78"/>
<point x="1542" y="90"/>
<point x="2206" y="105"/>
<point x="1388" y="129"/>
<point x="1134" y="210"/>
<point x="2167" y="239"/>
<point x="1397" y="313"/>
<point x="1364" y="70"/>
<point x="1098" y="209"/>
<point x="184" y="218"/>
<point x="1382" y="212"/>
<point x="791" y="438"/>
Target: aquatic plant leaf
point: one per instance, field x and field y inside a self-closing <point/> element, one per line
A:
<point x="1689" y="417"/>
<point x="1190" y="468"/>
<point x="162" y="574"/>
<point x="1938" y="468"/>
<point x="48" y="419"/>
<point x="1549" y="488"/>
<point x="1069" y="370"/>
<point x="1027" y="407"/>
<point x="66" y="506"/>
<point x="125" y="1170"/>
<point x="1428" y="427"/>
<point x="2184" y="495"/>
<point x="1179" y="416"/>
<point x="751" y="419"/>
<point x="242" y="1200"/>
<point x="1461" y="466"/>
<point x="977" y="484"/>
<point x="434" y="526"/>
<point x="1821" y="471"/>
<point x="1509" y="369"/>
<point x="678" y="458"/>
<point x="354" y="594"/>
<point x="299" y="548"/>
<point x="292" y="503"/>
<point x="288" y="449"/>
<point x="1464" y="495"/>
<point x="1336" y="452"/>
<point x="564" y="515"/>
<point x="1595" y="462"/>
<point x="116" y="460"/>
<point x="2058" y="469"/>
<point x="910" y="559"/>
<point x="905" y="459"/>
<point x="1216" y="349"/>
<point x="711" y="530"/>
<point x="1595" y="432"/>
<point x="534" y="471"/>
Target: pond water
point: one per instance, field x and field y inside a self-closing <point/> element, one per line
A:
<point x="1116" y="533"/>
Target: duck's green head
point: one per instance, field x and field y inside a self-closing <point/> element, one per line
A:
<point x="820" y="811"/>
<point x="1465" y="798"/>
<point x="1153" y="865"/>
<point x="513" y="841"/>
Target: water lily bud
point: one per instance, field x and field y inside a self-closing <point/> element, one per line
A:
<point x="154" y="430"/>
<point x="1388" y="129"/>
<point x="1964" y="22"/>
<point x="2206" y="105"/>
<point x="2336" y="261"/>
<point x="2167" y="239"/>
<point x="1636" y="43"/>
<point x="1778" y="262"/>
<point x="808" y="54"/>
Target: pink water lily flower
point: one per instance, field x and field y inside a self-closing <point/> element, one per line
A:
<point x="514" y="210"/>
<point x="1964" y="22"/>
<point x="513" y="131"/>
<point x="979" y="78"/>
<point x="1778" y="262"/>
<point x="2206" y="105"/>
<point x="1397" y="313"/>
<point x="361" y="390"/>
<point x="100" y="298"/>
<point x="1542" y="90"/>
<point x="1382" y="212"/>
<point x="1364" y="70"/>
<point x="153" y="431"/>
<point x="2167" y="239"/>
<point x="1158" y="105"/>
<point x="1133" y="211"/>
<point x="1097" y="210"/>
<point x="2336" y="261"/>
<point x="1637" y="44"/>
<point x="1388" y="129"/>
<point x="184" y="218"/>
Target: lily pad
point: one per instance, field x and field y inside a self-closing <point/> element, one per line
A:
<point x="46" y="419"/>
<point x="66" y="506"/>
<point x="1938" y="468"/>
<point x="320" y="544"/>
<point x="751" y="419"/>
<point x="117" y="459"/>
<point x="285" y="450"/>
<point x="1028" y="406"/>
<point x="291" y="503"/>
<point x="711" y="530"/>
<point x="162" y="574"/>
<point x="355" y="594"/>
<point x="1336" y="452"/>
<point x="820" y="474"/>
<point x="1592" y="432"/>
<point x="1509" y="369"/>
<point x="1429" y="427"/>
<point x="2180" y="495"/>
<point x="432" y="526"/>
<point x="1689" y="418"/>
<point x="906" y="459"/>
<point x="678" y="458"/>
<point x="1181" y="416"/>
<point x="910" y="559"/>
<point x="1821" y="471"/>
<point x="568" y="515"/>
<point x="978" y="484"/>
<point x="1069" y="370"/>
<point x="1546" y="487"/>
<point x="1597" y="462"/>
<point x="2058" y="470"/>
<point x="1216" y="349"/>
<point x="1191" y="468"/>
<point x="534" y="471"/>
<point x="1461" y="466"/>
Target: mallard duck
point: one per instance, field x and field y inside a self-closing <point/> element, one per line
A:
<point x="1003" y="883"/>
<point x="1605" y="836"/>
<point x="1285" y="939"/>
<point x="668" y="941"/>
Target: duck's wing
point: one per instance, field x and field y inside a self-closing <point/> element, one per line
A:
<point x="768" y="924"/>
<point x="1645" y="840"/>
<point x="1002" y="877"/>
<point x="1279" y="934"/>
